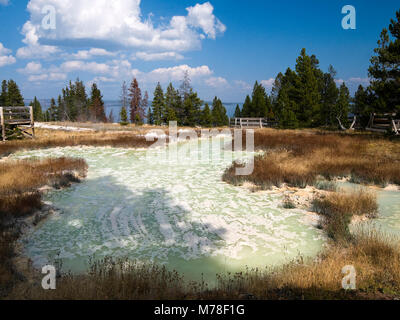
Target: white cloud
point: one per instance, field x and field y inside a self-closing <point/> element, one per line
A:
<point x="4" y="2"/>
<point x="201" y="16"/>
<point x="243" y="85"/>
<point x="37" y="73"/>
<point x="268" y="83"/>
<point x="92" y="67"/>
<point x="88" y="54"/>
<point x="34" y="50"/>
<point x="52" y="76"/>
<point x="119" y="22"/>
<point x="217" y="82"/>
<point x="31" y="68"/>
<point x="158" y="56"/>
<point x="5" y="57"/>
<point x="176" y="73"/>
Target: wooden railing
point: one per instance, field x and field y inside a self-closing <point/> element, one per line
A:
<point x="384" y="123"/>
<point x="253" y="123"/>
<point x="16" y="117"/>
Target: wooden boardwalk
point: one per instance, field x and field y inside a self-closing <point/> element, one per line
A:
<point x="253" y="123"/>
<point x="21" y="117"/>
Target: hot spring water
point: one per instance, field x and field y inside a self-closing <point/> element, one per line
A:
<point x="179" y="213"/>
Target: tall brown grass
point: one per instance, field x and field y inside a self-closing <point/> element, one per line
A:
<point x="298" y="158"/>
<point x="338" y="208"/>
<point x="52" y="139"/>
<point x="375" y="258"/>
<point x="19" y="197"/>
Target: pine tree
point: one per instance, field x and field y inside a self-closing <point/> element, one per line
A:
<point x="362" y="107"/>
<point x="247" y="106"/>
<point x="14" y="97"/>
<point x="150" y="117"/>
<point x="237" y="111"/>
<point x="192" y="110"/>
<point x="329" y="96"/>
<point x="135" y="95"/>
<point x="96" y="105"/>
<point x="61" y="109"/>
<point x="53" y="111"/>
<point x="173" y="105"/>
<point x="309" y="104"/>
<point x="185" y="89"/>
<point x="287" y="116"/>
<point x="218" y="113"/>
<point x="158" y="105"/>
<point x="37" y="110"/>
<point x="145" y="102"/>
<point x="258" y="103"/>
<point x="124" y="99"/>
<point x="385" y="69"/>
<point x="47" y="116"/>
<point x="123" y="117"/>
<point x="4" y="94"/>
<point x="206" y="117"/>
<point x="343" y="105"/>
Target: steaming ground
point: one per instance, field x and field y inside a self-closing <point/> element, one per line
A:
<point x="179" y="213"/>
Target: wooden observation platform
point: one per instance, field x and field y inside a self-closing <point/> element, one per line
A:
<point x="17" y="117"/>
<point x="383" y="123"/>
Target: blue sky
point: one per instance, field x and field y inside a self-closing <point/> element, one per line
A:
<point x="225" y="45"/>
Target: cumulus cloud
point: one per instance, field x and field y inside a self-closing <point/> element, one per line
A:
<point x="176" y="73"/>
<point x="33" y="48"/>
<point x="52" y="76"/>
<point x="158" y="56"/>
<point x="37" y="73"/>
<point x="92" y="67"/>
<point x="31" y="68"/>
<point x="93" y="52"/>
<point x="201" y="16"/>
<point x="118" y="22"/>
<point x="5" y="57"/>
<point x="216" y="82"/>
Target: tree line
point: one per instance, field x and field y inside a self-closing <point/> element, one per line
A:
<point x="303" y="97"/>
<point x="184" y="106"/>
<point x="309" y="97"/>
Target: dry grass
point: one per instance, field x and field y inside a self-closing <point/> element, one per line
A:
<point x="53" y="138"/>
<point x="19" y="197"/>
<point x="375" y="258"/>
<point x="298" y="158"/>
<point x="338" y="208"/>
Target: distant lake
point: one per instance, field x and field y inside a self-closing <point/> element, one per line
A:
<point x="115" y="106"/>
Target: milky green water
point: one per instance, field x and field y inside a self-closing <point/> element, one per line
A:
<point x="177" y="213"/>
<point x="388" y="220"/>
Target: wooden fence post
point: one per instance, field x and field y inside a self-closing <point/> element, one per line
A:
<point x="32" y="121"/>
<point x="3" y="129"/>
